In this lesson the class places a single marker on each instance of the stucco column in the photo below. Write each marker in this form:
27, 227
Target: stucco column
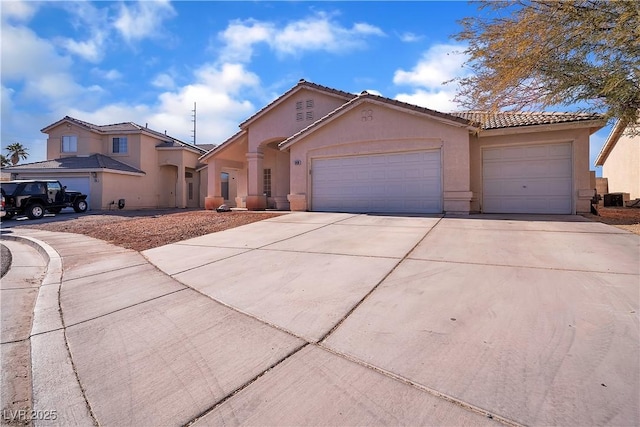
256, 200
181, 188
214, 191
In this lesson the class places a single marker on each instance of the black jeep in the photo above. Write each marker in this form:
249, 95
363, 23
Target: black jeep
34, 197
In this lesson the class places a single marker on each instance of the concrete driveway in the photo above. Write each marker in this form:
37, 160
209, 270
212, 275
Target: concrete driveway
341, 319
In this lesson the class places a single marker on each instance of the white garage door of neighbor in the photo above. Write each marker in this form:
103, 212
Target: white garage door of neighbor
527, 179
80, 184
393, 183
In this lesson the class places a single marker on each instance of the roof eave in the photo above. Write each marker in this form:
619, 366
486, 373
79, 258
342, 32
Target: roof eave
200, 152
69, 120
83, 170
222, 146
593, 125
612, 140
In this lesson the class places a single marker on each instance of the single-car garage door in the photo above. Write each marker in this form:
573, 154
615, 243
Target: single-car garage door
398, 182
527, 179
80, 184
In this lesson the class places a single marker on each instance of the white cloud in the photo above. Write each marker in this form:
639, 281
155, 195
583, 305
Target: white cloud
240, 36
109, 75
315, 33
410, 37
24, 53
218, 91
440, 64
91, 50
319, 32
441, 100
143, 20
17, 10
163, 81
86, 17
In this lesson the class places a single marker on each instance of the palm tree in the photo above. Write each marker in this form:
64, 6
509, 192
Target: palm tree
16, 152
4, 162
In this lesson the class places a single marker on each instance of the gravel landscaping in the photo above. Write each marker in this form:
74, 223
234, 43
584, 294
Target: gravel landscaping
142, 230
624, 218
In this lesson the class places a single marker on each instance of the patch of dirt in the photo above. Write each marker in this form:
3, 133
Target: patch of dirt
624, 218
146, 232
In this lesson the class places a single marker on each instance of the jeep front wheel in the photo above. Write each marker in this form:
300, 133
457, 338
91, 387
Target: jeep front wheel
35, 211
80, 206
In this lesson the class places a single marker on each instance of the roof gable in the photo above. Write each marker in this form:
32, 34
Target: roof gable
610, 143
302, 84
380, 100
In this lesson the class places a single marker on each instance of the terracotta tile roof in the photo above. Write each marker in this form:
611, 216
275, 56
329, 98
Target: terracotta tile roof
301, 83
94, 161
507, 119
206, 147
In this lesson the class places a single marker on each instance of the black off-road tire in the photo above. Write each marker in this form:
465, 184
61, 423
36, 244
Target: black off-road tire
8, 215
80, 206
35, 211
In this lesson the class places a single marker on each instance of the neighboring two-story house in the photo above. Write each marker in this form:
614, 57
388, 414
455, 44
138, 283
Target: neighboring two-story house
143, 167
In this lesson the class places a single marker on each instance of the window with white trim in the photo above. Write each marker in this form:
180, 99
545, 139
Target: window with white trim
69, 144
119, 145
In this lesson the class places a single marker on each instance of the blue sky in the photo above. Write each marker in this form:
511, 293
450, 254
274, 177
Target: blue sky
149, 61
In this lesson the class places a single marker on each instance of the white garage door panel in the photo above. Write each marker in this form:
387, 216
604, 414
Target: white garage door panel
528, 179
400, 182
77, 184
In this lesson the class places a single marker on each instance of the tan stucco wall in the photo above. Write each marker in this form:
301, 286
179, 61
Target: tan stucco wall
582, 191
278, 162
622, 167
280, 122
88, 142
388, 131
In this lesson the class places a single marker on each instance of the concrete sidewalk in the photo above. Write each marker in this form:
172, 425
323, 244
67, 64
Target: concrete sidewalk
340, 319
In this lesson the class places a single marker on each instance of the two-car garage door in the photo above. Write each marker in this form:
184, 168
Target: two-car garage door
394, 183
527, 179
515, 179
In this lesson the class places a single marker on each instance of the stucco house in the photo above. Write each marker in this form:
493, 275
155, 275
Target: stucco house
146, 168
320, 149
620, 161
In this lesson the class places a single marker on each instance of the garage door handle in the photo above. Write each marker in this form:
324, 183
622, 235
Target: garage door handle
524, 186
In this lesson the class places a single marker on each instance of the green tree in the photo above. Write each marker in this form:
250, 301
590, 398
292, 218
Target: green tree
4, 162
532, 54
17, 152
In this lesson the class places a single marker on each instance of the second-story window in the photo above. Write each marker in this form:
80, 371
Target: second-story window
69, 144
119, 145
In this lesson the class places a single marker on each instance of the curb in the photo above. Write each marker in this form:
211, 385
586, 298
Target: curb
56, 390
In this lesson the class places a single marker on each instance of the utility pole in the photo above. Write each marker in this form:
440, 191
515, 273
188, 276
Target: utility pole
193, 119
